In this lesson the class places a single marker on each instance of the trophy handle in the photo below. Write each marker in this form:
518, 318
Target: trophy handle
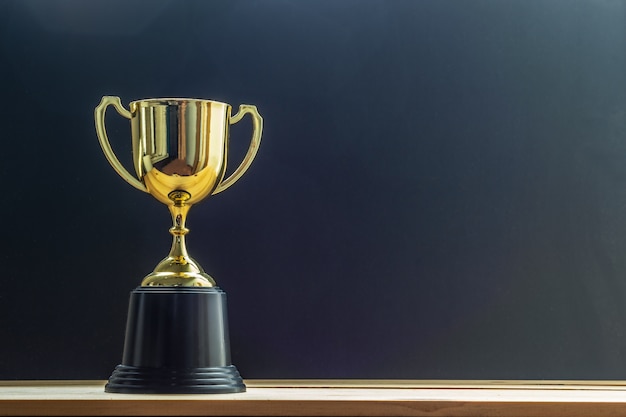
104, 139
257, 124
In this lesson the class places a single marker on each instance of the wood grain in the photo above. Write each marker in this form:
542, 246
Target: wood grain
327, 398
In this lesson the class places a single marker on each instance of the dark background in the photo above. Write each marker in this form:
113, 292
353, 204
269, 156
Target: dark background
440, 191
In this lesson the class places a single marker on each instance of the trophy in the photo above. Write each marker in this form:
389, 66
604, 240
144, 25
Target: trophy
177, 330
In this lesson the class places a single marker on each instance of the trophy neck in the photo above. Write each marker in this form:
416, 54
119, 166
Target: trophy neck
178, 269
178, 232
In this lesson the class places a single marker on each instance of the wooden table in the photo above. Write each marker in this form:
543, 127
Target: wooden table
326, 398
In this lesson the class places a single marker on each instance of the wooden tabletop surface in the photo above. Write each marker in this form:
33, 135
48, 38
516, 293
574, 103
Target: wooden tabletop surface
326, 398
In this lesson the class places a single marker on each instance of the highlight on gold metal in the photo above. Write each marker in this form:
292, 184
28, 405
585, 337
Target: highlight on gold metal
179, 149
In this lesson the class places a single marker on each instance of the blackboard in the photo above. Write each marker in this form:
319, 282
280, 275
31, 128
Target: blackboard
440, 190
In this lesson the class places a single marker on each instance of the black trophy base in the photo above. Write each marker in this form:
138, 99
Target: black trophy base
176, 343
136, 380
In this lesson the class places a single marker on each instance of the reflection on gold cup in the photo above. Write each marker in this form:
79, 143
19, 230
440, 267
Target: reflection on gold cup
179, 149
177, 330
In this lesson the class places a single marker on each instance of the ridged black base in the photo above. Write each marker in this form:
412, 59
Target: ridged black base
176, 343
136, 380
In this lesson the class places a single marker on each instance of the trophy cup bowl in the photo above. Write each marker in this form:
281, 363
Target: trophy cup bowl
177, 331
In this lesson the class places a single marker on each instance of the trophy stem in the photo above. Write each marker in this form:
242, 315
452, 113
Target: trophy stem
178, 269
178, 252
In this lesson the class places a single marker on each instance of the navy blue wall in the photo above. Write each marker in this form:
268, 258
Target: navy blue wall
440, 191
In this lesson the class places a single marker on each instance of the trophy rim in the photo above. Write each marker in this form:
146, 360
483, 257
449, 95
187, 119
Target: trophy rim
177, 100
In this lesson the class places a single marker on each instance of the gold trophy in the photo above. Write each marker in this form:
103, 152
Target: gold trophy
177, 330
